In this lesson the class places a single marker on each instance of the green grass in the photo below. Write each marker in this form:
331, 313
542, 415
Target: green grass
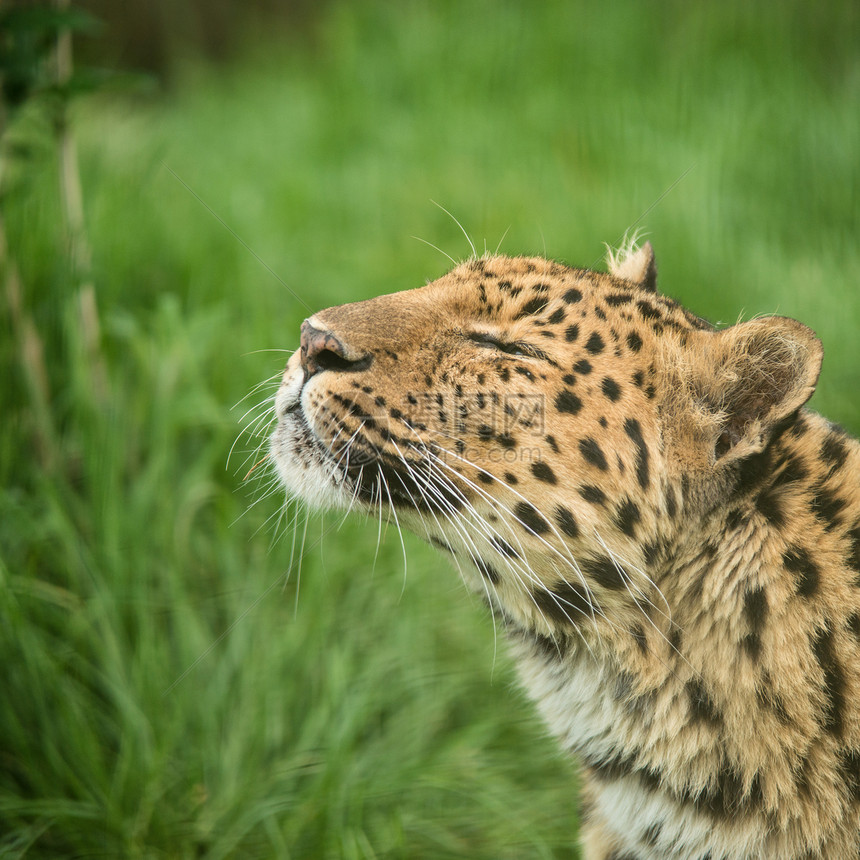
171, 686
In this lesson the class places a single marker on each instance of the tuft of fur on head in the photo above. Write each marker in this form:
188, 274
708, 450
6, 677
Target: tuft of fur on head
633, 263
616, 258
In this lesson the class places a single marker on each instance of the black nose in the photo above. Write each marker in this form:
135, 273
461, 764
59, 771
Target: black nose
322, 350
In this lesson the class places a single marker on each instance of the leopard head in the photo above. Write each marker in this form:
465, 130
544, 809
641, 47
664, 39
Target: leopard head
551, 428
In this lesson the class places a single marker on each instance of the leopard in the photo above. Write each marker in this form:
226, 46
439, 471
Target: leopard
667, 536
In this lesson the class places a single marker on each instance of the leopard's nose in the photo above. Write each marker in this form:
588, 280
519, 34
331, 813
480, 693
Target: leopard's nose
322, 349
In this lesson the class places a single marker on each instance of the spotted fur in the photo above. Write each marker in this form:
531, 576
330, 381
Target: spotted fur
669, 539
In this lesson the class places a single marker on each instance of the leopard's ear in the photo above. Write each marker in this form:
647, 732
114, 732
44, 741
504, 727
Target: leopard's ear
742, 381
636, 265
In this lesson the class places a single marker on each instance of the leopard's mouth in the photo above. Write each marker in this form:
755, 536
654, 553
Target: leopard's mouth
339, 464
304, 463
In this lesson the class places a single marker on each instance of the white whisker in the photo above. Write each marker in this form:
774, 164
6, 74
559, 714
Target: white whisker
468, 238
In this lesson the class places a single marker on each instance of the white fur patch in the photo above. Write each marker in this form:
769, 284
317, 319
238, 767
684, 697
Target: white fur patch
305, 467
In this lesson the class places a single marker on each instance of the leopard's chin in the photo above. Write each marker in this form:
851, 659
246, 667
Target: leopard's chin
303, 463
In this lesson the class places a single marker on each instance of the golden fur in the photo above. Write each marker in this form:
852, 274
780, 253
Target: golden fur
670, 541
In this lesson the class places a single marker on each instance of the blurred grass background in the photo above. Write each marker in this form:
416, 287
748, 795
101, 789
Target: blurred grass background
174, 682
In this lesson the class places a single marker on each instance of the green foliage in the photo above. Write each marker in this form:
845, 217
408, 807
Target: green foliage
27, 37
175, 683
